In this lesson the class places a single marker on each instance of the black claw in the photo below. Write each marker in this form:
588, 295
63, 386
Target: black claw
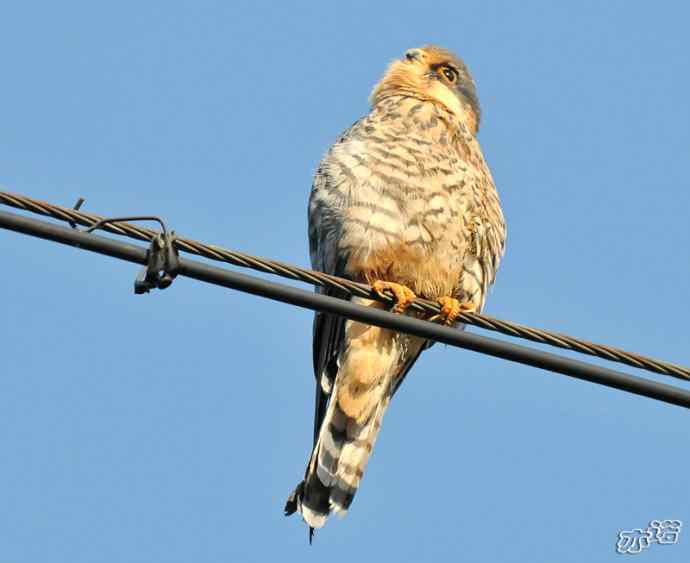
311, 534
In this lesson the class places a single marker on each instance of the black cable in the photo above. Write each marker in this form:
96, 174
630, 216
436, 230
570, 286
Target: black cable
344, 286
370, 315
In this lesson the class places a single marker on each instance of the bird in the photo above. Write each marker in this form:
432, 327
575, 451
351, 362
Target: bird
405, 202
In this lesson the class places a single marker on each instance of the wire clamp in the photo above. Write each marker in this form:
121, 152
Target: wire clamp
162, 264
162, 257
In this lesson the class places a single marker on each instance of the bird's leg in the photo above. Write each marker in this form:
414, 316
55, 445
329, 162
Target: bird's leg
451, 308
403, 294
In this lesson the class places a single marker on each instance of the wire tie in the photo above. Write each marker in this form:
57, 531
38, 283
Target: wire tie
76, 207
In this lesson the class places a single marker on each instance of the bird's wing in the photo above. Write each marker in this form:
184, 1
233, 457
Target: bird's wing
327, 341
328, 331
482, 228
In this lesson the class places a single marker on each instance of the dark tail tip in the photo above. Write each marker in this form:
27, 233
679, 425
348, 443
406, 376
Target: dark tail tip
311, 534
291, 504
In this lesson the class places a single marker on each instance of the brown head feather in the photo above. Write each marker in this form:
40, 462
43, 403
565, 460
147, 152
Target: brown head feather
418, 75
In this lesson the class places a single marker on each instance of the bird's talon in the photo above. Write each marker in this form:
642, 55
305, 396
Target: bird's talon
403, 294
451, 308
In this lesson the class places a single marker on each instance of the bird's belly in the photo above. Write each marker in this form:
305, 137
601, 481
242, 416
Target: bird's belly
421, 254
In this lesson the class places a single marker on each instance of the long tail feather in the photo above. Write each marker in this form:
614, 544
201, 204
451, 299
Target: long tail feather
371, 363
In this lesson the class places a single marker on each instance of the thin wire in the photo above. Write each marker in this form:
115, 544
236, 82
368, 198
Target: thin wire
110, 220
349, 287
370, 315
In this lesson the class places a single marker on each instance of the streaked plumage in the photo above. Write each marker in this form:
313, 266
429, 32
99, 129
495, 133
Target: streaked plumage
403, 196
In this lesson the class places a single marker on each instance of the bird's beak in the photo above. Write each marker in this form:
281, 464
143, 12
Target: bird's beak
414, 55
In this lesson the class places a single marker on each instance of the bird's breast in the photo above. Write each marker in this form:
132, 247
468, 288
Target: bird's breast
404, 225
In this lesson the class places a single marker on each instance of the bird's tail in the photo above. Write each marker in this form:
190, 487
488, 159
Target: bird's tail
336, 465
361, 394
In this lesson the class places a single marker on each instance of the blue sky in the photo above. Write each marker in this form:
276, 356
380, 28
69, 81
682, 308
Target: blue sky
172, 426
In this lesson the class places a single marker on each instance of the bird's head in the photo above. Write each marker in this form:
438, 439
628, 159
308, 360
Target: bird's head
432, 74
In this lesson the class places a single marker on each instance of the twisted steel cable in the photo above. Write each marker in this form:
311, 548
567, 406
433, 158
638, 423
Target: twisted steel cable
350, 288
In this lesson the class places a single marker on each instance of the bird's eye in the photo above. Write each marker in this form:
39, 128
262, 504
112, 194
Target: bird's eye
450, 73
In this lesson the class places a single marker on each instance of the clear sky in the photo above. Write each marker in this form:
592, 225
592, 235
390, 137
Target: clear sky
172, 426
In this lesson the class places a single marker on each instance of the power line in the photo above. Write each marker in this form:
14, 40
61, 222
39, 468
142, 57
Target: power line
370, 315
347, 287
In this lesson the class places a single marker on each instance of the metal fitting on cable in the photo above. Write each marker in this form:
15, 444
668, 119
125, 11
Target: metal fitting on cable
162, 257
162, 265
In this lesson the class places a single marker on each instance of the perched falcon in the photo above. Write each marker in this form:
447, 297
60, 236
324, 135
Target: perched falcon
403, 201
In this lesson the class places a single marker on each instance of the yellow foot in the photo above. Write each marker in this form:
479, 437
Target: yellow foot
403, 294
451, 308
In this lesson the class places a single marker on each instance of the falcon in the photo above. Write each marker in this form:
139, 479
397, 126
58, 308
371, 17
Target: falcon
405, 202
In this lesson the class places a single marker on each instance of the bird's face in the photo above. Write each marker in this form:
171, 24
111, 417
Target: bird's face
434, 74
